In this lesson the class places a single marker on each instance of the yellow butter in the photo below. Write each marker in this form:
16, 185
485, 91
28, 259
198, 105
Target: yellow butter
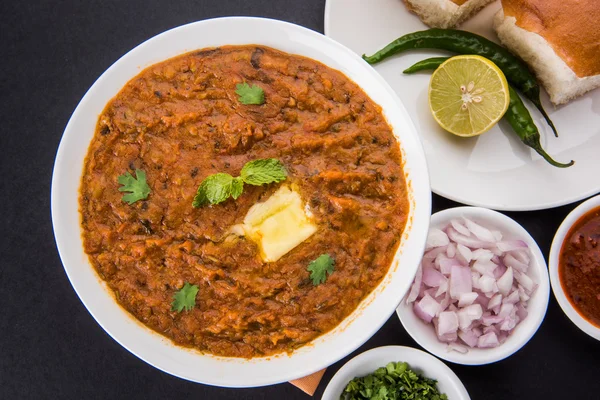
277, 225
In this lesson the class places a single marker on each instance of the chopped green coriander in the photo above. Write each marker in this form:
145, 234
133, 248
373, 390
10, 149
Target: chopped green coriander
185, 298
249, 94
137, 187
320, 268
395, 381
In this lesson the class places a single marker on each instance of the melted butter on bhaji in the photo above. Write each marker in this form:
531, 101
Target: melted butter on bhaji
180, 121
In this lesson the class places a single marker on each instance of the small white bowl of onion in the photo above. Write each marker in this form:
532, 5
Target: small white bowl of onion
482, 289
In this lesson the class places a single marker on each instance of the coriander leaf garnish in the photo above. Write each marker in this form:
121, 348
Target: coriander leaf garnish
185, 298
260, 172
138, 187
394, 381
249, 94
320, 268
219, 187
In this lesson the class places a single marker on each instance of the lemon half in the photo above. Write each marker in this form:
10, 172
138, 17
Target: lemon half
468, 95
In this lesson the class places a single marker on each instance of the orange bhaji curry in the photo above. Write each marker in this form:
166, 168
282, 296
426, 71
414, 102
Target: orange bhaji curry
181, 121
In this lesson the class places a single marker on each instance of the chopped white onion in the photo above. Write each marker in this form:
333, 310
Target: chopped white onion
489, 320
521, 312
444, 264
445, 302
523, 296
511, 261
443, 288
433, 253
432, 277
460, 228
471, 242
521, 255
505, 282
524, 281
497, 235
466, 299
472, 285
416, 287
436, 238
510, 245
468, 337
479, 231
505, 310
513, 298
451, 250
457, 347
482, 254
483, 300
484, 267
427, 308
475, 279
460, 281
487, 284
494, 302
463, 254
447, 323
488, 340
467, 315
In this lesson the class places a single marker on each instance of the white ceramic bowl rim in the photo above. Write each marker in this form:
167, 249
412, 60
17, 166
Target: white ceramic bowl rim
553, 261
424, 334
420, 361
154, 348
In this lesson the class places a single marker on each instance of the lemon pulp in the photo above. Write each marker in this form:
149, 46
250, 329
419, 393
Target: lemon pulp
468, 95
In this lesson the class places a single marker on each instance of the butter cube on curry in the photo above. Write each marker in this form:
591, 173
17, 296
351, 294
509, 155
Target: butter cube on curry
277, 225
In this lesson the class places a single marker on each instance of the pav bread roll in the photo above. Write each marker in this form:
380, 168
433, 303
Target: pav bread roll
445, 13
558, 39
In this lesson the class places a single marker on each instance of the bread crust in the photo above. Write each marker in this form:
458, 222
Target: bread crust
557, 77
569, 26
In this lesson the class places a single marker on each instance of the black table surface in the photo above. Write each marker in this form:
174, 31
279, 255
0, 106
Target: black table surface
50, 346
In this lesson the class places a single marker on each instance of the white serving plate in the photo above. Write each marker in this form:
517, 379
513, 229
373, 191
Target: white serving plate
418, 360
154, 348
494, 170
537, 305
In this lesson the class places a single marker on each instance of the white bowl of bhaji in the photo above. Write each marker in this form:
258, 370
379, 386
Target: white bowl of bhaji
240, 201
574, 265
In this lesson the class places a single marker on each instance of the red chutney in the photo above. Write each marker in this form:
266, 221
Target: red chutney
579, 266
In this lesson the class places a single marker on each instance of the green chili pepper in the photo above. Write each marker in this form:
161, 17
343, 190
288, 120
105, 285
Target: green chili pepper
427, 64
519, 118
517, 114
463, 42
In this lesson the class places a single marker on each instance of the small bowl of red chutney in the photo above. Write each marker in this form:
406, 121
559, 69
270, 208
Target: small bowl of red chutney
574, 266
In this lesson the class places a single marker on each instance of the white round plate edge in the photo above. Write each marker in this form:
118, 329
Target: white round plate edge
538, 187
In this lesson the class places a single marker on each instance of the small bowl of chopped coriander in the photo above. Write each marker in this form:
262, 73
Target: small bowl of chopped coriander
395, 372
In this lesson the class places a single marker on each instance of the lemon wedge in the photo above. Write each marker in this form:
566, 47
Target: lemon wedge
468, 95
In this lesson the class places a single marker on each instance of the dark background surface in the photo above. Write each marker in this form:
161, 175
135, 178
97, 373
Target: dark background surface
50, 346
